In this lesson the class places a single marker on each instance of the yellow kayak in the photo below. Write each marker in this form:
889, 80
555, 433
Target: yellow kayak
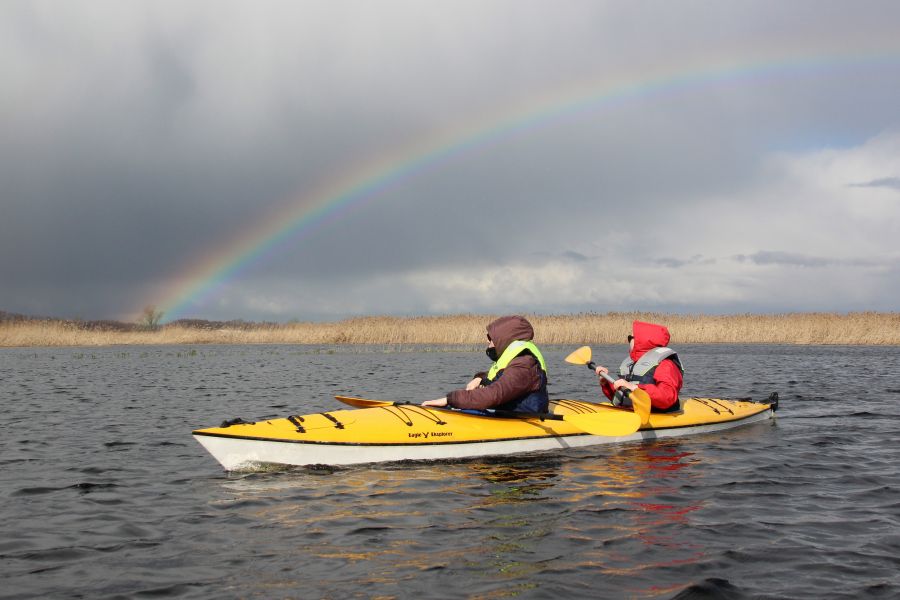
387, 431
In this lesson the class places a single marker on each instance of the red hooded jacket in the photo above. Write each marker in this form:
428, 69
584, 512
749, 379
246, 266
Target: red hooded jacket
667, 377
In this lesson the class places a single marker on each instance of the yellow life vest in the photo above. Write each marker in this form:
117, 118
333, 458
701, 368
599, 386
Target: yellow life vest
513, 350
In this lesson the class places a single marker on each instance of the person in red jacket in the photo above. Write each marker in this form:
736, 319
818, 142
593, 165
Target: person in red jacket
650, 365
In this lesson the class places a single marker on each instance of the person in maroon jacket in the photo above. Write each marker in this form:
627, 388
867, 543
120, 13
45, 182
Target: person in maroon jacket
651, 365
517, 381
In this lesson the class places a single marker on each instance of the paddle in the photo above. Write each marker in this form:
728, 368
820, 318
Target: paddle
611, 423
640, 400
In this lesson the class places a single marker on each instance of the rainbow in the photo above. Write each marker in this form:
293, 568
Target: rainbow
204, 276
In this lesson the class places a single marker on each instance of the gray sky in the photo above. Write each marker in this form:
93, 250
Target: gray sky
140, 138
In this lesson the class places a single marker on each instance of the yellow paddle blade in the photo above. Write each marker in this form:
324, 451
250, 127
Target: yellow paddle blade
613, 423
582, 356
640, 401
362, 402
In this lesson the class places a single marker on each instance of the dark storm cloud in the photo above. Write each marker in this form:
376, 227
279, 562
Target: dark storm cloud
790, 259
884, 182
677, 263
767, 257
139, 136
575, 256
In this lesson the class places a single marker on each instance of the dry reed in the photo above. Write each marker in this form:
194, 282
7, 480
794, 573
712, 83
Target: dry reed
862, 328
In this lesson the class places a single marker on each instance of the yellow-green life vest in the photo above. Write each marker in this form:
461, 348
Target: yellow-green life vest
513, 350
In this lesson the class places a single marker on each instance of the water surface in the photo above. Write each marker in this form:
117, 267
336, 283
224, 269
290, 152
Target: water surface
106, 495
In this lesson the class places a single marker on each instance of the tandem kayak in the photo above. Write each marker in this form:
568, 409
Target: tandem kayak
388, 431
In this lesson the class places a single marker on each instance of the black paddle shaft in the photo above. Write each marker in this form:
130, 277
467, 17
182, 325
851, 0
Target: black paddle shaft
498, 413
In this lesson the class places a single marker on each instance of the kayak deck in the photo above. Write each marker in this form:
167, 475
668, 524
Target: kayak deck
412, 432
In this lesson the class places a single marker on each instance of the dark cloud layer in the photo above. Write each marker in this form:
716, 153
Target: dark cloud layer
791, 259
883, 182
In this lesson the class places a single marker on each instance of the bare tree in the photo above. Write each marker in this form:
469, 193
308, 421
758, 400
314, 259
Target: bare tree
151, 317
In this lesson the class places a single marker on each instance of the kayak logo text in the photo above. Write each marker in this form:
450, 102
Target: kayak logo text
427, 434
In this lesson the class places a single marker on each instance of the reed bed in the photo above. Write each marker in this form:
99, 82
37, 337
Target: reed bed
862, 328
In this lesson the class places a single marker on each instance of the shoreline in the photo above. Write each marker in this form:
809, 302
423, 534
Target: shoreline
854, 329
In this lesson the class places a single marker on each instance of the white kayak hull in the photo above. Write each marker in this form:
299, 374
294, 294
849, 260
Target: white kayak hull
239, 453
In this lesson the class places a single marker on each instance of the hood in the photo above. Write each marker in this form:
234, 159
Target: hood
647, 336
506, 330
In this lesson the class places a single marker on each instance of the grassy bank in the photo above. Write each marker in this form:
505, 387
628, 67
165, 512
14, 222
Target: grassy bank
866, 328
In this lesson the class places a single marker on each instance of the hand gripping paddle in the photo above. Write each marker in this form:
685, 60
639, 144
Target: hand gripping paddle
640, 400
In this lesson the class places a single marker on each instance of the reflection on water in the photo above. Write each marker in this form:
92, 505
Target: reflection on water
632, 513
504, 522
521, 481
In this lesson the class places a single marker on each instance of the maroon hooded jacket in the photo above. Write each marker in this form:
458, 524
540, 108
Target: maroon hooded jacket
520, 377
667, 378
